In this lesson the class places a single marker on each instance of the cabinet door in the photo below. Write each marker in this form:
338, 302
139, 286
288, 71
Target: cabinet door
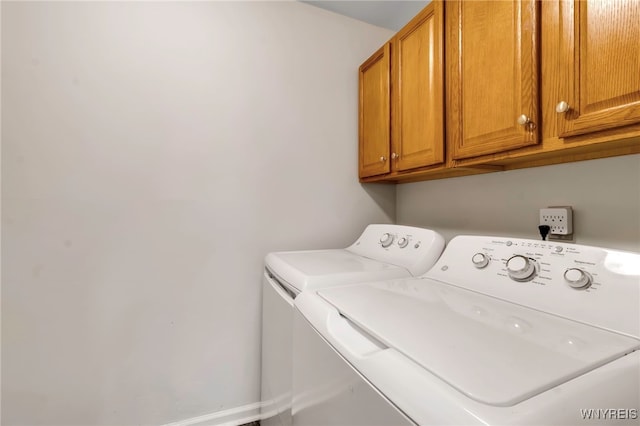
374, 128
600, 65
492, 58
417, 91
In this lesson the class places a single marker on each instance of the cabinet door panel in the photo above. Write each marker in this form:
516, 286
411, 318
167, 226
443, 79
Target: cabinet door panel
600, 64
374, 128
493, 75
417, 90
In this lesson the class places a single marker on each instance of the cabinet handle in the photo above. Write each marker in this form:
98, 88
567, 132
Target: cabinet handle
394, 156
523, 120
383, 159
562, 107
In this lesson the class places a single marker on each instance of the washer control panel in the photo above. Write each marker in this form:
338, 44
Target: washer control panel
528, 260
589, 284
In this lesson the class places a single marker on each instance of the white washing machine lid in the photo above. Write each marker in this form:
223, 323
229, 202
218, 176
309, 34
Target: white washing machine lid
493, 351
322, 268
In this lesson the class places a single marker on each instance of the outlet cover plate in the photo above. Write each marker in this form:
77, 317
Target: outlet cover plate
560, 219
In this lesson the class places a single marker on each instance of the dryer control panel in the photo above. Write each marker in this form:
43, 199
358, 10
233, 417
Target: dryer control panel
588, 284
415, 249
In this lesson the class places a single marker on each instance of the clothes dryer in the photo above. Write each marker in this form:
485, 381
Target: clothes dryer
381, 252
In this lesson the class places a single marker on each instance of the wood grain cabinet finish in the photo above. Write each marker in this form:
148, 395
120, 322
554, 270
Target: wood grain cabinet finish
401, 122
418, 91
374, 119
599, 53
527, 83
492, 82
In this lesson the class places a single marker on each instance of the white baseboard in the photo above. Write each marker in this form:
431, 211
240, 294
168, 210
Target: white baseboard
231, 417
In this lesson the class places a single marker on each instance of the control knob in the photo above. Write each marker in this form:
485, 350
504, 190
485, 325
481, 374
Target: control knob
521, 268
402, 242
480, 260
386, 240
577, 278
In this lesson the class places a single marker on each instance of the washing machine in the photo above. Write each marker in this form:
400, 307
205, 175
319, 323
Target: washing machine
381, 252
501, 331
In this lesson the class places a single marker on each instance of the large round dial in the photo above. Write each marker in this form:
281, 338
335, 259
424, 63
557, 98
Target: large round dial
480, 260
386, 240
577, 278
521, 268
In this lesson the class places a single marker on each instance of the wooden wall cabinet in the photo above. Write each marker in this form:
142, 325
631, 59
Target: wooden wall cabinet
587, 87
374, 115
402, 129
492, 76
417, 125
528, 83
599, 66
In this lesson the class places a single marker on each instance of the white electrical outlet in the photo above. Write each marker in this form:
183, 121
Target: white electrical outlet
559, 219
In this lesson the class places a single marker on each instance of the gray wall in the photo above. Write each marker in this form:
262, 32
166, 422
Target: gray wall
391, 14
605, 195
153, 153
